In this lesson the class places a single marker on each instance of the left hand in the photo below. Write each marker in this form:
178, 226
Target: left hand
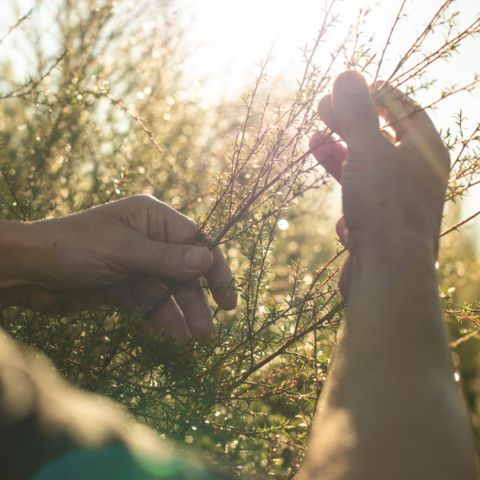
393, 186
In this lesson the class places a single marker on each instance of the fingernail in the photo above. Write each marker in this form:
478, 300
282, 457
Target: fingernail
195, 258
351, 82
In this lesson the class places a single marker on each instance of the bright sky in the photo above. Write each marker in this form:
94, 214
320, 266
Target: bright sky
236, 34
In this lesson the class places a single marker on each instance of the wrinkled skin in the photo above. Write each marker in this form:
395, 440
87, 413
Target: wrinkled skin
131, 254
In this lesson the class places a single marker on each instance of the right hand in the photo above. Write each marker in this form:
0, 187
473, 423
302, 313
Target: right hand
130, 254
393, 189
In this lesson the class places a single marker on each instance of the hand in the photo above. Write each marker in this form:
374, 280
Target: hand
392, 356
128, 254
393, 187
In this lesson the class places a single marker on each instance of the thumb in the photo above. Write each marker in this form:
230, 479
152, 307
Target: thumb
355, 111
168, 260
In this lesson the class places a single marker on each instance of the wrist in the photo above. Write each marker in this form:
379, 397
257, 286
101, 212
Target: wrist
18, 243
395, 249
405, 265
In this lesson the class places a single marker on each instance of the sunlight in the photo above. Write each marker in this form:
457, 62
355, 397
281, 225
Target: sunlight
235, 37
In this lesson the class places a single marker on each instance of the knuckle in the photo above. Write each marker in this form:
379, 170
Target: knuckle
170, 261
185, 229
164, 253
361, 115
144, 199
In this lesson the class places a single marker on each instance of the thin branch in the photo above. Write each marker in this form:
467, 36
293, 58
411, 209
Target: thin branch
30, 86
460, 224
15, 25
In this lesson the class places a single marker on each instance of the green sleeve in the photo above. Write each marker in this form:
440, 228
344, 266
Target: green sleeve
117, 463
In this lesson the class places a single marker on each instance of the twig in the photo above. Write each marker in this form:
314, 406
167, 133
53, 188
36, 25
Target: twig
460, 224
15, 25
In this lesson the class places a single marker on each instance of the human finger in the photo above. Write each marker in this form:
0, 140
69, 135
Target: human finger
356, 116
168, 321
167, 260
148, 295
326, 113
181, 229
329, 153
405, 116
413, 127
164, 314
191, 300
221, 282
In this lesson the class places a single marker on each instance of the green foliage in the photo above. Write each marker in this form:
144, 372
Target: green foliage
109, 114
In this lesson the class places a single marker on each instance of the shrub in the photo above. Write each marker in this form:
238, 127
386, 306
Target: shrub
107, 113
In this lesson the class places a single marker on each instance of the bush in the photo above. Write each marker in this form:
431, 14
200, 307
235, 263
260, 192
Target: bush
107, 113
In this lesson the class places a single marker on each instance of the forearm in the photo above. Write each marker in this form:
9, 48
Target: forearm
16, 247
391, 408
27, 256
23, 255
